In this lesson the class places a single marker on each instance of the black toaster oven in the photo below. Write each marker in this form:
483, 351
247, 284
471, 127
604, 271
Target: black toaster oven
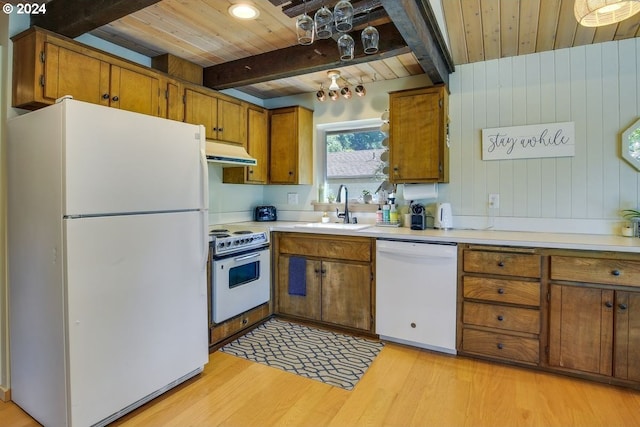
265, 213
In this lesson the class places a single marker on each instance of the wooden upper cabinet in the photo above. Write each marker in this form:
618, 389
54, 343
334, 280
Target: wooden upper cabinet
418, 150
133, 91
257, 147
291, 151
47, 67
224, 119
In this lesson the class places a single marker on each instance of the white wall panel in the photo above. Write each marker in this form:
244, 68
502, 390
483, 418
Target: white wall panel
596, 86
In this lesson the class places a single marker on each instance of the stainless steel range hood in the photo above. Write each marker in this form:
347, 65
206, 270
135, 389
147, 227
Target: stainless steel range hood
230, 154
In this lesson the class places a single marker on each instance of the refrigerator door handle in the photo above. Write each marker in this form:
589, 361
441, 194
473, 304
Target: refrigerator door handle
204, 190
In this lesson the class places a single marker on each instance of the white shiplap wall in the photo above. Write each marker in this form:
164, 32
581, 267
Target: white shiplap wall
595, 86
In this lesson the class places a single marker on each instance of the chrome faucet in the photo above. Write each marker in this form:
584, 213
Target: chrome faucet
345, 214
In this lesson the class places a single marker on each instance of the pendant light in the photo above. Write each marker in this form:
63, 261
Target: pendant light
305, 28
323, 21
343, 15
370, 38
334, 75
596, 13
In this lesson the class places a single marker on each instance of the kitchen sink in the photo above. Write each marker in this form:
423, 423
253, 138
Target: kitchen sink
332, 226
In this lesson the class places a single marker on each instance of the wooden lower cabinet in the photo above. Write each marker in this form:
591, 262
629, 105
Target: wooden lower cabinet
339, 279
500, 313
594, 315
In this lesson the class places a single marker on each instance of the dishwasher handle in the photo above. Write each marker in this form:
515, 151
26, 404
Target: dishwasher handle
416, 249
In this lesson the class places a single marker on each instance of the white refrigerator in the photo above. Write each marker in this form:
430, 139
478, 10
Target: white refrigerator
108, 219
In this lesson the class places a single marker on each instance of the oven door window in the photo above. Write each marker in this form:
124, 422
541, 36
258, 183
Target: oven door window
245, 273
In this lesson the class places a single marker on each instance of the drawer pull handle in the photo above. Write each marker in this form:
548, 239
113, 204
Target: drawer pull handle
616, 272
500, 318
622, 306
500, 263
608, 304
500, 346
500, 291
413, 325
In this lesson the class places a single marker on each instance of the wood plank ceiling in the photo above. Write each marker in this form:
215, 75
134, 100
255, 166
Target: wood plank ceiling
202, 32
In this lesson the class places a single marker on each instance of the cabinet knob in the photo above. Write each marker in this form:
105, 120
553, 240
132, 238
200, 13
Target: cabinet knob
500, 263
250, 170
245, 321
413, 325
500, 346
215, 129
220, 129
105, 96
290, 173
500, 291
622, 306
500, 318
115, 98
615, 272
608, 304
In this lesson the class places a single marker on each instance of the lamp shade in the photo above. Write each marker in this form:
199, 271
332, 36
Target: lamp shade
596, 13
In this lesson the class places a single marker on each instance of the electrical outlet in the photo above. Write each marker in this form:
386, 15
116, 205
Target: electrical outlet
494, 201
292, 198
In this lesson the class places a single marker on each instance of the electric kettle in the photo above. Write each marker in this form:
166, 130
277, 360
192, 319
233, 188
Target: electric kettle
443, 216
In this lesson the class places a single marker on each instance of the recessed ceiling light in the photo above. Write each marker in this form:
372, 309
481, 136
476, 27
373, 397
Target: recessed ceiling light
244, 11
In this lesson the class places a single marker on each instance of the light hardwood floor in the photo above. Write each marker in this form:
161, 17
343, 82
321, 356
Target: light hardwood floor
403, 387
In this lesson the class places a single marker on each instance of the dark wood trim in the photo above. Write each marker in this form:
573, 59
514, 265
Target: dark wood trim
297, 60
416, 22
73, 18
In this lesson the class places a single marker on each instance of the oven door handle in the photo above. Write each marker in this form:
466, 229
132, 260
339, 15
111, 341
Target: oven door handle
245, 257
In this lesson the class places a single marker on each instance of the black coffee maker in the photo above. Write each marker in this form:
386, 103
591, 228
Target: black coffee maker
418, 217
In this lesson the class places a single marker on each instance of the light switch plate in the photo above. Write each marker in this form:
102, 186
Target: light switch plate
292, 198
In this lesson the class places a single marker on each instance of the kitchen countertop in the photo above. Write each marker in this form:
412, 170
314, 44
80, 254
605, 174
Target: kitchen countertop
593, 242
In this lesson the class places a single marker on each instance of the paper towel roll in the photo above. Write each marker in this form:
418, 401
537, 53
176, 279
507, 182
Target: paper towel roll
420, 191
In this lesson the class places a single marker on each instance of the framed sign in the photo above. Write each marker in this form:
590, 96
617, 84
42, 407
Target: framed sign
527, 142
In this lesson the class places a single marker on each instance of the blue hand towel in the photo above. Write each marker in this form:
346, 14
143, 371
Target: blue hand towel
297, 276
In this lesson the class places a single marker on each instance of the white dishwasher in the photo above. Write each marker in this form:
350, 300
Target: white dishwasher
416, 293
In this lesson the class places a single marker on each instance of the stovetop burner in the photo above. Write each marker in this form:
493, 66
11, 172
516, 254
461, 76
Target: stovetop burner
226, 242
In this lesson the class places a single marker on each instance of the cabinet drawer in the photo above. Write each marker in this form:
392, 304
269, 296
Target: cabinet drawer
502, 317
502, 263
355, 249
596, 270
236, 324
501, 345
502, 290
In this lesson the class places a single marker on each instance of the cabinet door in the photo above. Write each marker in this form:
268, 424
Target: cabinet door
231, 122
72, 73
283, 152
133, 91
417, 137
627, 336
307, 306
581, 328
257, 144
346, 294
174, 102
200, 109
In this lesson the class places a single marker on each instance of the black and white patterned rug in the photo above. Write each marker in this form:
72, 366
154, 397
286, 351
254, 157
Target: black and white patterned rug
336, 359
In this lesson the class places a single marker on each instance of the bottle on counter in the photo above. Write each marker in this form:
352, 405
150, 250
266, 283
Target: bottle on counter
393, 214
386, 210
379, 214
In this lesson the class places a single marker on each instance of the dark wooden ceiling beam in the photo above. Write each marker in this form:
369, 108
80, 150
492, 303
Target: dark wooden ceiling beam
297, 60
73, 18
417, 24
297, 8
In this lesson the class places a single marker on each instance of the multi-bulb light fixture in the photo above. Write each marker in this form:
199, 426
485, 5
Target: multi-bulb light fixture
334, 88
323, 23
